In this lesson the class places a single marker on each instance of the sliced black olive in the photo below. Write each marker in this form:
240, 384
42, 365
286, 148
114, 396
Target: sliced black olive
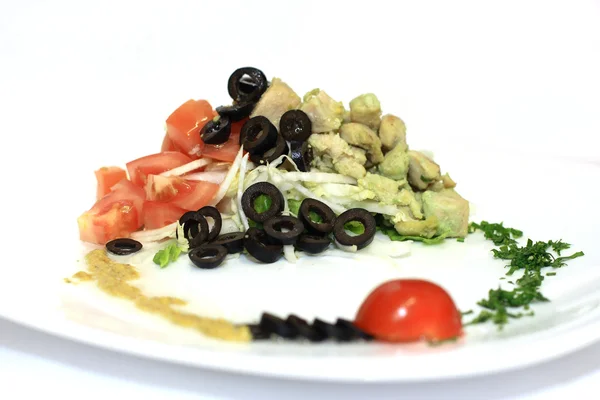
258, 135
281, 147
258, 246
237, 111
123, 246
274, 228
197, 233
351, 330
302, 155
212, 212
208, 256
252, 193
304, 329
247, 84
295, 125
216, 131
233, 242
330, 331
313, 244
355, 214
326, 214
190, 215
275, 325
258, 333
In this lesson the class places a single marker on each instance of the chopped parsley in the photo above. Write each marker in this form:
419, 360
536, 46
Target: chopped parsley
531, 259
167, 255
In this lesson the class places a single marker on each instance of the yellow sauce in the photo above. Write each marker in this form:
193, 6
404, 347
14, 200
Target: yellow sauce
113, 277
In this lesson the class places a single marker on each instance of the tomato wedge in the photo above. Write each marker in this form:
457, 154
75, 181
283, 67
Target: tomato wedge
223, 152
140, 168
200, 194
185, 123
106, 178
157, 214
117, 214
408, 310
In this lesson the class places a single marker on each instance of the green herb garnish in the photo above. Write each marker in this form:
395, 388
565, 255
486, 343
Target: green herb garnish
262, 203
294, 206
460, 240
531, 258
168, 254
496, 232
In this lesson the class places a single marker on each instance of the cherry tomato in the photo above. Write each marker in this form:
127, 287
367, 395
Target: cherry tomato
408, 310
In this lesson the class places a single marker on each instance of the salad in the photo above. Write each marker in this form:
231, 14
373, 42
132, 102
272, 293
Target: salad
275, 175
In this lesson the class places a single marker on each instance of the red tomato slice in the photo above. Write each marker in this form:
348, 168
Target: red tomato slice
185, 123
117, 214
157, 215
200, 194
154, 164
408, 310
164, 188
223, 152
107, 177
189, 195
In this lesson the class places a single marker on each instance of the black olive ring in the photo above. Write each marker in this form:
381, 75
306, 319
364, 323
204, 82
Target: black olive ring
237, 111
313, 244
212, 212
208, 256
281, 148
258, 246
258, 135
274, 229
251, 88
294, 326
322, 210
216, 131
196, 230
295, 125
252, 193
302, 155
123, 246
233, 242
355, 214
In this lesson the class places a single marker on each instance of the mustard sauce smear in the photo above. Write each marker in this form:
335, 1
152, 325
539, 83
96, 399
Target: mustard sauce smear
113, 277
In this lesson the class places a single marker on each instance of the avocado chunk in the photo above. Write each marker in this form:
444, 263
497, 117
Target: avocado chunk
426, 228
366, 109
421, 170
451, 210
395, 163
362, 136
392, 132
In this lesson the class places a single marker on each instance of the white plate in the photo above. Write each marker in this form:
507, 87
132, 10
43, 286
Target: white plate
76, 95
329, 287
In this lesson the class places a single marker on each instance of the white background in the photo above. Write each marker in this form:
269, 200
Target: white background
463, 75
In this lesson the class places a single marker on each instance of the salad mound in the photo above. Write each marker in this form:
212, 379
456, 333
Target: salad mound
310, 147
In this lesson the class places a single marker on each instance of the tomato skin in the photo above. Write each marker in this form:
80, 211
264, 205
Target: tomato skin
157, 214
224, 152
106, 178
117, 214
409, 310
185, 123
197, 195
154, 164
